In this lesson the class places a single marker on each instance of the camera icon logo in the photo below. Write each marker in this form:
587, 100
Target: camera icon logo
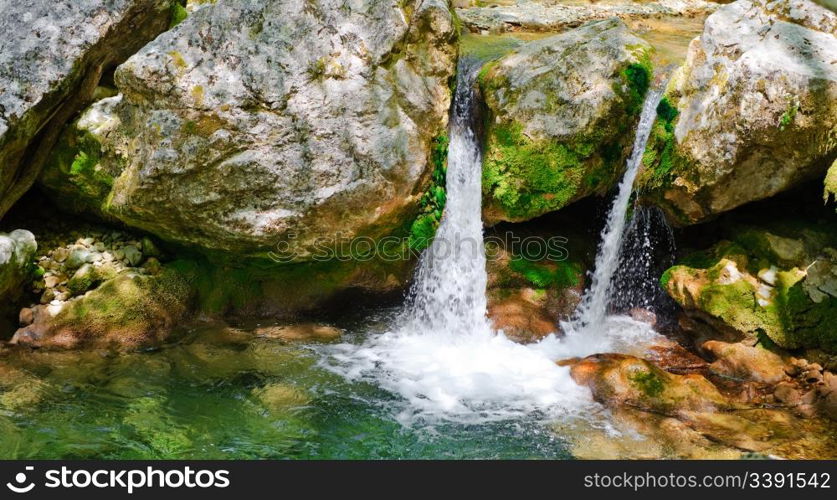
20, 479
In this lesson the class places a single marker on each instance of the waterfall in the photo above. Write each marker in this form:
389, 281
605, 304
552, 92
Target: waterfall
448, 294
647, 251
442, 357
592, 311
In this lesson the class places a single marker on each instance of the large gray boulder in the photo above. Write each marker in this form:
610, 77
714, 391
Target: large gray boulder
561, 115
52, 55
255, 123
757, 103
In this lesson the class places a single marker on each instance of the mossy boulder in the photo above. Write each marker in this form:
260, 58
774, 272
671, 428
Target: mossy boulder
561, 112
129, 311
17, 254
779, 282
751, 113
17, 270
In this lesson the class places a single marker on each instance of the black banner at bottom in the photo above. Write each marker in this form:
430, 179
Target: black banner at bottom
223, 479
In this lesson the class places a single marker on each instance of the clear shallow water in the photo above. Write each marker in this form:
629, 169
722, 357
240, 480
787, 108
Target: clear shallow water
201, 400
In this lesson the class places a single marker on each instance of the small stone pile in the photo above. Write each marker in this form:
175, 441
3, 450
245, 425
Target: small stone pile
67, 270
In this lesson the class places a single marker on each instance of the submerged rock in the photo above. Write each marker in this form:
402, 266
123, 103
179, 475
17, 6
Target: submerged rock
753, 111
305, 332
269, 126
52, 55
561, 111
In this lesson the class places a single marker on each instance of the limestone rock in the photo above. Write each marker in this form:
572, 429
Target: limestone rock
130, 311
272, 125
780, 282
17, 252
753, 111
546, 15
52, 54
746, 362
561, 115
622, 380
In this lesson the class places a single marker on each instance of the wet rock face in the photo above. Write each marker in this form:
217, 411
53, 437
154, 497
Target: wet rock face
52, 54
622, 380
753, 111
561, 111
256, 123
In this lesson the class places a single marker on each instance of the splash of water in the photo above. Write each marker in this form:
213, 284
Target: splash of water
442, 357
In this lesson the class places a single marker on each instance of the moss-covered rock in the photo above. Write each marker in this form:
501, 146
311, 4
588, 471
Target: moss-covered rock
743, 124
560, 115
780, 282
128, 311
17, 269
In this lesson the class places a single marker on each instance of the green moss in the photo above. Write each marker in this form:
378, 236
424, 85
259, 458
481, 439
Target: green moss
432, 202
648, 382
636, 78
74, 175
790, 113
660, 158
805, 323
177, 14
830, 183
665, 279
527, 178
548, 274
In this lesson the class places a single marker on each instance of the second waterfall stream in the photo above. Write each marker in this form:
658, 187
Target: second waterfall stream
441, 355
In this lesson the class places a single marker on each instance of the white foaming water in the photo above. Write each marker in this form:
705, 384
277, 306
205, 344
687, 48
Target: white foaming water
591, 320
443, 357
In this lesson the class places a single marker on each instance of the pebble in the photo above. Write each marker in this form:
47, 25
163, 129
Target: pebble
60, 254
133, 255
78, 257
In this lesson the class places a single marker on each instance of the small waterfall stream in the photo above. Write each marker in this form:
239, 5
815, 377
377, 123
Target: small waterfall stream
593, 309
448, 294
441, 355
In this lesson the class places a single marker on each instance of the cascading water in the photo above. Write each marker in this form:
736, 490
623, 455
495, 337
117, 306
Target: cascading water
442, 357
592, 313
647, 251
